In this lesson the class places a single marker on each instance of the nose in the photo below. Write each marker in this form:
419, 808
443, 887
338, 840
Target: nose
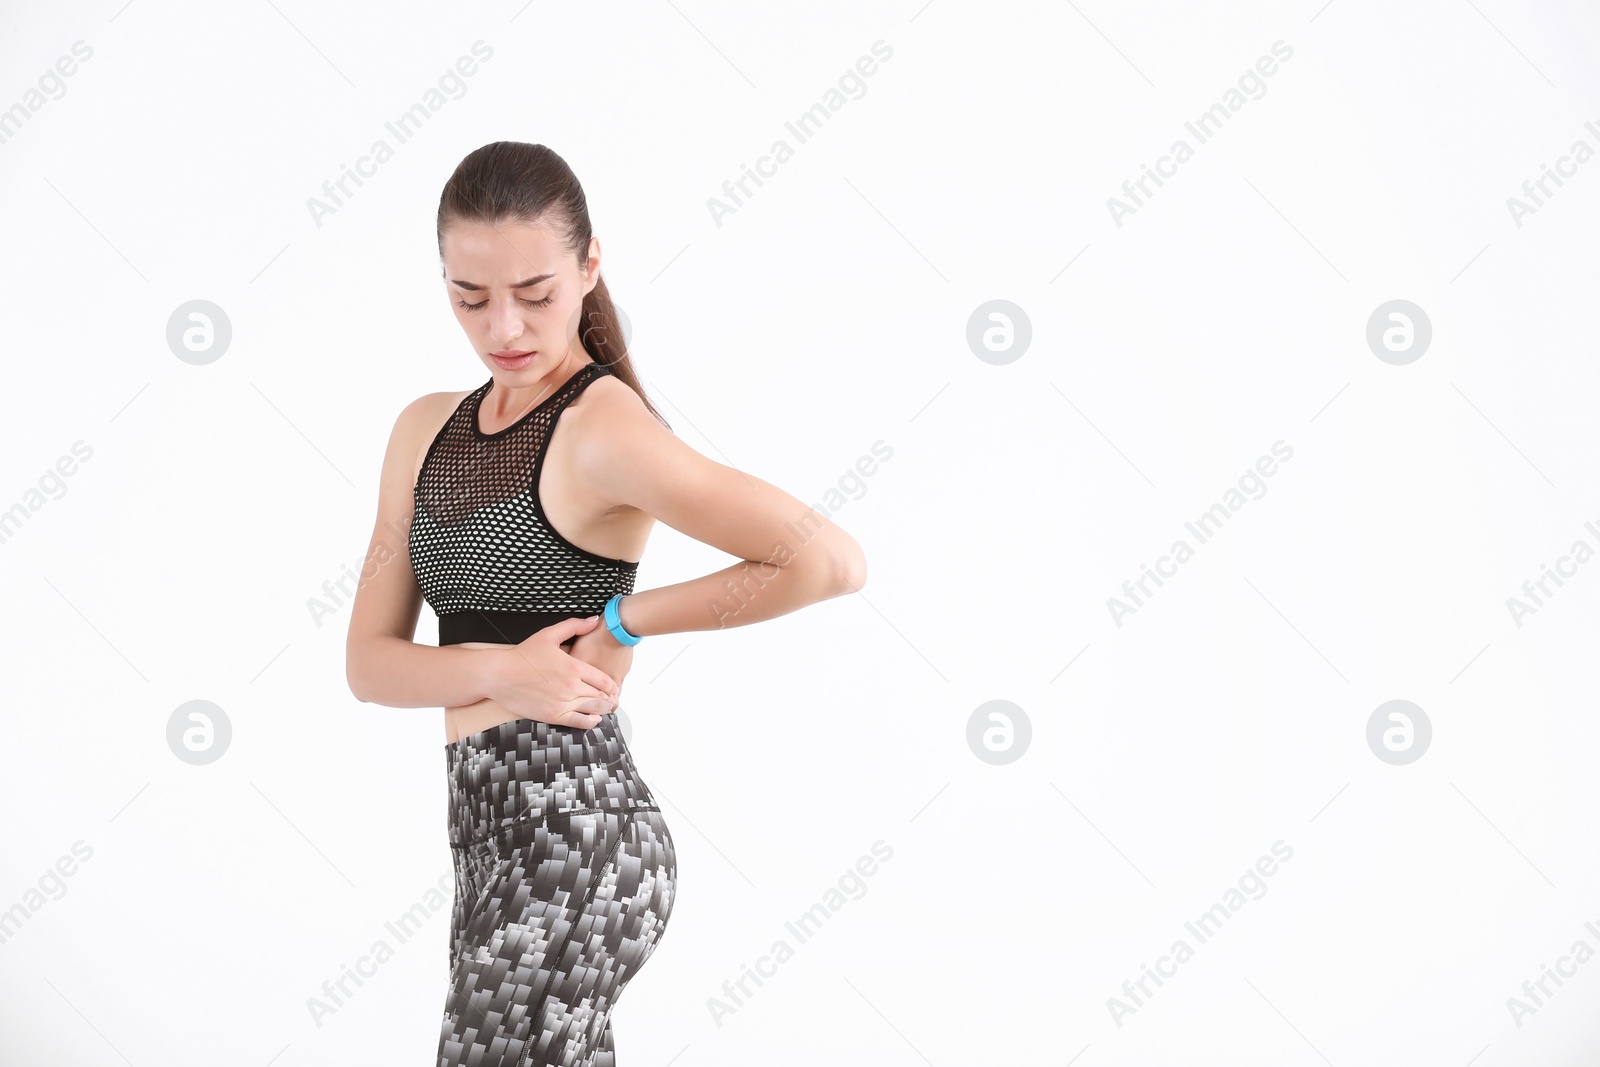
505, 323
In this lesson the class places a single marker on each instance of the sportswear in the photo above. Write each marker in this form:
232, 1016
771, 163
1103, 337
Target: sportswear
485, 556
565, 871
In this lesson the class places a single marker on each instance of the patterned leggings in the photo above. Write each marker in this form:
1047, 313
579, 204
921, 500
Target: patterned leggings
556, 907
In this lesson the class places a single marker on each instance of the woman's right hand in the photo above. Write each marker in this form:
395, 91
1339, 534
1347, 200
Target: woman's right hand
538, 679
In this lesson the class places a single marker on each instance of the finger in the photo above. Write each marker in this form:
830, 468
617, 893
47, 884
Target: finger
587, 713
582, 720
597, 679
597, 706
560, 632
583, 692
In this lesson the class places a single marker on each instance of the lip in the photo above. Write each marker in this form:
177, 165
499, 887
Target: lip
512, 353
513, 360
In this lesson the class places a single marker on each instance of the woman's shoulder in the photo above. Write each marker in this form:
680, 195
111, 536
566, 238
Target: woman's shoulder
609, 403
432, 409
422, 420
611, 429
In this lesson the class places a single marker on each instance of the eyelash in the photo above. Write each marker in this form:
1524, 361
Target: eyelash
525, 303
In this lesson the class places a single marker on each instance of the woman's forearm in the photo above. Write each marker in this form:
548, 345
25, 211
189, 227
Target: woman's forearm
398, 673
741, 594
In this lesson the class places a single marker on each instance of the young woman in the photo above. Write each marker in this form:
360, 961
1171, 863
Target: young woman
525, 542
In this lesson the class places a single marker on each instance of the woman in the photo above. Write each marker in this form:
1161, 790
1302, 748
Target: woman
525, 542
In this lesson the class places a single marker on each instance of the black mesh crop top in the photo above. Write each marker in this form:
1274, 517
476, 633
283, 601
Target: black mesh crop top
486, 558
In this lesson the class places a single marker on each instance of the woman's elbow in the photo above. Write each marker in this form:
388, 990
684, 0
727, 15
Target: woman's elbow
850, 568
353, 680
355, 675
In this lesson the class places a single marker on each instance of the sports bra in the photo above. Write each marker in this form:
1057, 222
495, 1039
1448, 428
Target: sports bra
485, 556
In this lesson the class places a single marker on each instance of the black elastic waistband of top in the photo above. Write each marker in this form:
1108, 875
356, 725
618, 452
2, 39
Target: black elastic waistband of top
499, 627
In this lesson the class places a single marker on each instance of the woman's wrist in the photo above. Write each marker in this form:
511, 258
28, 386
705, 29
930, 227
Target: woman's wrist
497, 670
613, 621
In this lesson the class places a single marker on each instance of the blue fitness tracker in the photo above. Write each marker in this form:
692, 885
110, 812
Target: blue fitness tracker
614, 622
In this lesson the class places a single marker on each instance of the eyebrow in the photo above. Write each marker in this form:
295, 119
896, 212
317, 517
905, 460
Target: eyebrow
535, 280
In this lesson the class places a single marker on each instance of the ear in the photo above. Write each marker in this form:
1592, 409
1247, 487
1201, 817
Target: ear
593, 275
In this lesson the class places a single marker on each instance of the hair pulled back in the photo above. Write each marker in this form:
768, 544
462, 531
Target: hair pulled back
512, 181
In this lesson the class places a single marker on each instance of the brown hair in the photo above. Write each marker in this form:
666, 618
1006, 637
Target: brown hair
519, 182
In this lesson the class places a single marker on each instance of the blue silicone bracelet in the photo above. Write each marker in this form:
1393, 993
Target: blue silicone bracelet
614, 622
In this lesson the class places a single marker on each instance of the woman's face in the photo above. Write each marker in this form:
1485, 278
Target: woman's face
515, 290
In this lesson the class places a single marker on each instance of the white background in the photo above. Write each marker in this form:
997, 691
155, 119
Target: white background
827, 313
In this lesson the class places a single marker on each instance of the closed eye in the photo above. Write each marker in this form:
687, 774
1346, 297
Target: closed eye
524, 303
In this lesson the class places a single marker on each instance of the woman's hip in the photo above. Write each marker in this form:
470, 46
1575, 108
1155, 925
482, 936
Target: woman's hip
524, 771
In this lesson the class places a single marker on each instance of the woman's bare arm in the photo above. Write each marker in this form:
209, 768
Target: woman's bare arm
790, 555
384, 665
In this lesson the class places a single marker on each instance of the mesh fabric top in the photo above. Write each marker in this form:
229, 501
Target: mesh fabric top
479, 538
